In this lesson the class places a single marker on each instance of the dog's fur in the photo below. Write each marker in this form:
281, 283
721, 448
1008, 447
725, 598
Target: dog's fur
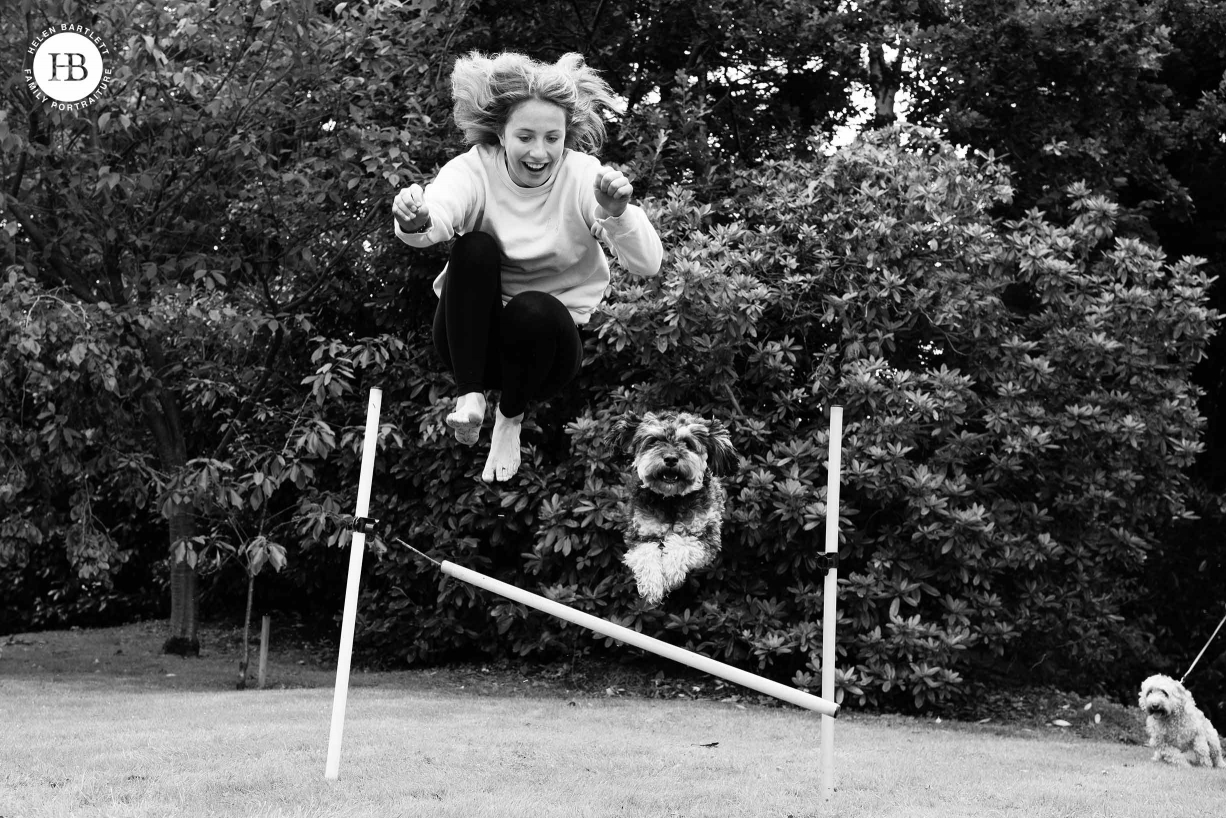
1176, 726
676, 498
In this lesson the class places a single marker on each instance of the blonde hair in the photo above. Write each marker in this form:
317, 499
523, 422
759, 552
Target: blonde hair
485, 90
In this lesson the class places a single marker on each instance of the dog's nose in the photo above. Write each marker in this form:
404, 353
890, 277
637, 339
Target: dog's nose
670, 460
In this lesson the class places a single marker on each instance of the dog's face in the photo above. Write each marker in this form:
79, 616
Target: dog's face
673, 450
1161, 695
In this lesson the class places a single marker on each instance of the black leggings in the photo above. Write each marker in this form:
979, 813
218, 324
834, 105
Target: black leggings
529, 348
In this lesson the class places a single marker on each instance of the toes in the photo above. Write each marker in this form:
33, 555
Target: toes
467, 427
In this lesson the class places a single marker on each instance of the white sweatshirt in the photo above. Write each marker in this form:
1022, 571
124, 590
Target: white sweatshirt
547, 234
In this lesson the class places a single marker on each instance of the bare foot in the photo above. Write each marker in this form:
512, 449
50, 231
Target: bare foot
504, 456
467, 418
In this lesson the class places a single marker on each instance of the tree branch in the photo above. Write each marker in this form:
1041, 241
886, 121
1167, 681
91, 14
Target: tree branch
360, 231
248, 407
61, 271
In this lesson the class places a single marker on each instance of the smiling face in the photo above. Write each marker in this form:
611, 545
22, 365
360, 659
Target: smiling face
534, 139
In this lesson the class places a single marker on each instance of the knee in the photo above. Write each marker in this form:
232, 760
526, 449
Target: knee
475, 250
531, 316
534, 308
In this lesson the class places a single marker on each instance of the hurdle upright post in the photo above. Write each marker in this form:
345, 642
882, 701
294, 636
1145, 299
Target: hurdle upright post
830, 593
349, 618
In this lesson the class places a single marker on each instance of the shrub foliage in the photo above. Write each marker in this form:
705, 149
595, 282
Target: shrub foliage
1019, 418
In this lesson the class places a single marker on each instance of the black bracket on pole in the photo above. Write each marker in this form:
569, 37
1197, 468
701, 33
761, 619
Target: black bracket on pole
363, 525
828, 561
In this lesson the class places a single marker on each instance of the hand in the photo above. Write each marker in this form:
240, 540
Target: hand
410, 209
613, 191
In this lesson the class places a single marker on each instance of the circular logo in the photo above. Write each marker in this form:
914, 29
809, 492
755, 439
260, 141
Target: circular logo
69, 65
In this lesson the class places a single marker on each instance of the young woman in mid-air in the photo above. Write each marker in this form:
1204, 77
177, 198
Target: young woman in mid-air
527, 205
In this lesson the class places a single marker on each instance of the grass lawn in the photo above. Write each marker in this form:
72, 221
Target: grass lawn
107, 744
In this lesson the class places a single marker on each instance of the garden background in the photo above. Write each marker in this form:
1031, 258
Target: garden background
991, 231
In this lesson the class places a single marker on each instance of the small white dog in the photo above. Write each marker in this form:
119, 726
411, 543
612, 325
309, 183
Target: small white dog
1176, 726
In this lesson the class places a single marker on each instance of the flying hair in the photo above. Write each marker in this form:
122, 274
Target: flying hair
485, 90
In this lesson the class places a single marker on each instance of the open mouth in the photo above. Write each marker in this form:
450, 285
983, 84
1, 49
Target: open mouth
669, 476
535, 168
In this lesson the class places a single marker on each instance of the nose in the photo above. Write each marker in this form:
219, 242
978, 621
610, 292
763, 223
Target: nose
670, 460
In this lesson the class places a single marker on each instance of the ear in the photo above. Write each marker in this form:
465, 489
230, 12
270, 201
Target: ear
721, 455
622, 430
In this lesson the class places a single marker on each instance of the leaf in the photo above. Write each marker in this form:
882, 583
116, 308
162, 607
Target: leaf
257, 555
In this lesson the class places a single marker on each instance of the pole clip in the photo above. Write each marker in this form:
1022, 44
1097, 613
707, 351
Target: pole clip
363, 525
827, 561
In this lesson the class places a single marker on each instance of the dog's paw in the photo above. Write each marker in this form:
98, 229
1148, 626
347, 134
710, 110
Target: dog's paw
644, 563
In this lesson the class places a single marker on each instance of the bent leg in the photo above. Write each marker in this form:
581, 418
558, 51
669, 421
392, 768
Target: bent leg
466, 326
540, 353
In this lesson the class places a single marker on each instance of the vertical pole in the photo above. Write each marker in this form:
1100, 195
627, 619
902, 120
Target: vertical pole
349, 618
830, 594
264, 628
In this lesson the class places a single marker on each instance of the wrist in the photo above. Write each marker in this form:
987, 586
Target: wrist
414, 227
603, 212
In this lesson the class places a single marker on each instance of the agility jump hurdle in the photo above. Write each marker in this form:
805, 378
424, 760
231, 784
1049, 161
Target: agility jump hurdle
825, 705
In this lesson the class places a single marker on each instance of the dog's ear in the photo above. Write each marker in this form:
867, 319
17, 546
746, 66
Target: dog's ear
622, 430
721, 455
1145, 688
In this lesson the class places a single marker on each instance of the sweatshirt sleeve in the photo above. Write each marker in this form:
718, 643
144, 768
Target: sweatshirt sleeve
454, 197
633, 239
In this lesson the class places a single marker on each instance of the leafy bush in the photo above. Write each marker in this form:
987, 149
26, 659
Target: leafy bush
1018, 406
1019, 414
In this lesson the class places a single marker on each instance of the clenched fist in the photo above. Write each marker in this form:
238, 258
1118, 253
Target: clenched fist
613, 191
411, 211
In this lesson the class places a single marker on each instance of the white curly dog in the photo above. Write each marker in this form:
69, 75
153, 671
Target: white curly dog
1176, 726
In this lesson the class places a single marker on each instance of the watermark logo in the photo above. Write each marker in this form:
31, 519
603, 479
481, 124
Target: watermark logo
69, 65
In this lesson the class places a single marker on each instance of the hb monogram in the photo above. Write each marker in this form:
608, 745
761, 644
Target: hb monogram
72, 66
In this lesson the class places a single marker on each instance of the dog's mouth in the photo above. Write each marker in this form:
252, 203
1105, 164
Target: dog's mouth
668, 481
669, 476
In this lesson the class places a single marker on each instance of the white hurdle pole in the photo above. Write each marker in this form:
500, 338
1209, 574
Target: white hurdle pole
349, 619
791, 695
831, 593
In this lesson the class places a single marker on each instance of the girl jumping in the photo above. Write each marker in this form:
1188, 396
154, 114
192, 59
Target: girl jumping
527, 205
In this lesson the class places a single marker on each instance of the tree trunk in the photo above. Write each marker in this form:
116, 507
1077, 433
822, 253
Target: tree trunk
162, 414
242, 666
184, 636
884, 79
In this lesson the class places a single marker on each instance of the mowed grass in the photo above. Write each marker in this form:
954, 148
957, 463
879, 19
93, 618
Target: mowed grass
88, 748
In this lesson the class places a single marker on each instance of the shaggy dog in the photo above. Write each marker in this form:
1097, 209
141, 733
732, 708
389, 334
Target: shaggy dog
676, 498
1176, 726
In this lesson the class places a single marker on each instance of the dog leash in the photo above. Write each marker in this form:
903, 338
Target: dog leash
1205, 648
